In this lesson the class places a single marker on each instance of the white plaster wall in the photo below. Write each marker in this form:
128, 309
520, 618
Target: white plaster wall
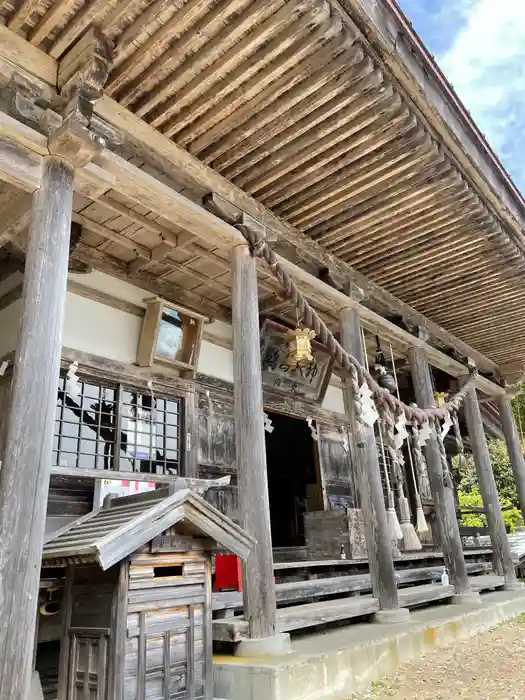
101, 330
333, 400
96, 328
110, 285
89, 326
216, 361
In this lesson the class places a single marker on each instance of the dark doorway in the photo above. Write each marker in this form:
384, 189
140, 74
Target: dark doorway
292, 478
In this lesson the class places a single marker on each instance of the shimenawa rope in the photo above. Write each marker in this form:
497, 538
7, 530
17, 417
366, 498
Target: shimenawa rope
260, 248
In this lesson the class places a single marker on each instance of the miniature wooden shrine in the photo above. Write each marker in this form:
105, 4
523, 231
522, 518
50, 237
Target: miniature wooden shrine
137, 598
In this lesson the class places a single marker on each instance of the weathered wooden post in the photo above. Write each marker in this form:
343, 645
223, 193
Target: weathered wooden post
514, 447
448, 527
254, 506
24, 476
488, 488
364, 448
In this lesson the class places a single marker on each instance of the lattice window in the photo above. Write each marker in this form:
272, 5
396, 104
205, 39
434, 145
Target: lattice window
112, 427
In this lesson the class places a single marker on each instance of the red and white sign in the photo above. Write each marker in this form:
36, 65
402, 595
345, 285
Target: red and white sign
117, 488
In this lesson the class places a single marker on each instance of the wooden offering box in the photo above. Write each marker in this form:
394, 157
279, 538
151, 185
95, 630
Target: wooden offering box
137, 601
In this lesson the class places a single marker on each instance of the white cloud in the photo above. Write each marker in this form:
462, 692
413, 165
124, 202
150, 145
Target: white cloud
486, 65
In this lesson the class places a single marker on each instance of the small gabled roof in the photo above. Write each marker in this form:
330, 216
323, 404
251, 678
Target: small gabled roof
109, 535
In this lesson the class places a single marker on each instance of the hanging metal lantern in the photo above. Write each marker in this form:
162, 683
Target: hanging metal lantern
382, 376
385, 379
300, 348
440, 398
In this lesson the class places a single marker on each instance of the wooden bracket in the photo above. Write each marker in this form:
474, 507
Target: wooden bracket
72, 129
513, 372
226, 211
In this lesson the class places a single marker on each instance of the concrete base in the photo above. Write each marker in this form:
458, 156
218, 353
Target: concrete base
514, 586
468, 598
35, 690
278, 645
392, 617
335, 664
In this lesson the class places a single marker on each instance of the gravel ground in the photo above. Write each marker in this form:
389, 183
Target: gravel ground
487, 667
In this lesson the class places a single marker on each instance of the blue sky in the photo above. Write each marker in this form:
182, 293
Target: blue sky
480, 46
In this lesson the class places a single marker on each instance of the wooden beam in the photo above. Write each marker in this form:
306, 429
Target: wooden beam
412, 67
149, 142
142, 251
24, 477
21, 152
366, 462
9, 266
155, 146
167, 290
254, 505
488, 488
514, 447
145, 189
10, 297
448, 528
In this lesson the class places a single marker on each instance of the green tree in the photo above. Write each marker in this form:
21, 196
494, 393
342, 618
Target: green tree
465, 472
472, 499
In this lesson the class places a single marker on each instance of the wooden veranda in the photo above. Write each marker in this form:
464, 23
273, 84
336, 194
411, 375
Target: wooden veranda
152, 141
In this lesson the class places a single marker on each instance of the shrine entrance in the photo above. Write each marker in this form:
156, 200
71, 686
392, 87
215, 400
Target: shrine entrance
293, 482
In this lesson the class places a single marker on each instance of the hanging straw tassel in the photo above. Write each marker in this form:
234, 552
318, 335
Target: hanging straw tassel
422, 525
411, 541
393, 521
391, 515
421, 521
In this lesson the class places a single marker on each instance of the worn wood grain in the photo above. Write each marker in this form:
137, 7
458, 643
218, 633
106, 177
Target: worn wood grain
24, 476
488, 488
364, 453
514, 447
259, 593
448, 528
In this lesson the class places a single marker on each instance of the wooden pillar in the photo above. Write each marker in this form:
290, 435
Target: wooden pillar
488, 488
448, 527
254, 506
364, 448
514, 447
24, 476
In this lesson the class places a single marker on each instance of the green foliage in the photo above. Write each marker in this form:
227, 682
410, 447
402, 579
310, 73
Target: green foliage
465, 477
472, 499
465, 472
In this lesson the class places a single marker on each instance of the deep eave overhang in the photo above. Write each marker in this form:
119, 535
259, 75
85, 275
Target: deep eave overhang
399, 47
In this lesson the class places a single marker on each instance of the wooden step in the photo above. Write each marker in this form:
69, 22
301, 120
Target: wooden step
487, 582
420, 595
297, 591
296, 617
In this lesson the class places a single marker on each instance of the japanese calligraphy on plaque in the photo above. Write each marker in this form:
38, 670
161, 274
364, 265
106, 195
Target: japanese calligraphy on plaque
304, 383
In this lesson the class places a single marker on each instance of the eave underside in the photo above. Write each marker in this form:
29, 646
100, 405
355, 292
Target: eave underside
283, 99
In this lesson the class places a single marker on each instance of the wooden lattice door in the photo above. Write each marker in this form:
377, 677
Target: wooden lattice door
164, 656
88, 664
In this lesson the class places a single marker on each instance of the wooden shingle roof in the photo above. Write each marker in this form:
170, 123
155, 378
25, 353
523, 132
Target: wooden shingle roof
109, 535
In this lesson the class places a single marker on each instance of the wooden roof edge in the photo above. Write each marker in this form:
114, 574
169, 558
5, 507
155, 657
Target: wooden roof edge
388, 33
26, 143
16, 53
124, 539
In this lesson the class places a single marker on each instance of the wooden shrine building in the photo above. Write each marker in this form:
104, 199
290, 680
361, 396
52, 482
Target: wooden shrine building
188, 191
137, 596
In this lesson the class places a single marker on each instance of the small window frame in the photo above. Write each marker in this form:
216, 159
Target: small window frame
192, 328
92, 370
